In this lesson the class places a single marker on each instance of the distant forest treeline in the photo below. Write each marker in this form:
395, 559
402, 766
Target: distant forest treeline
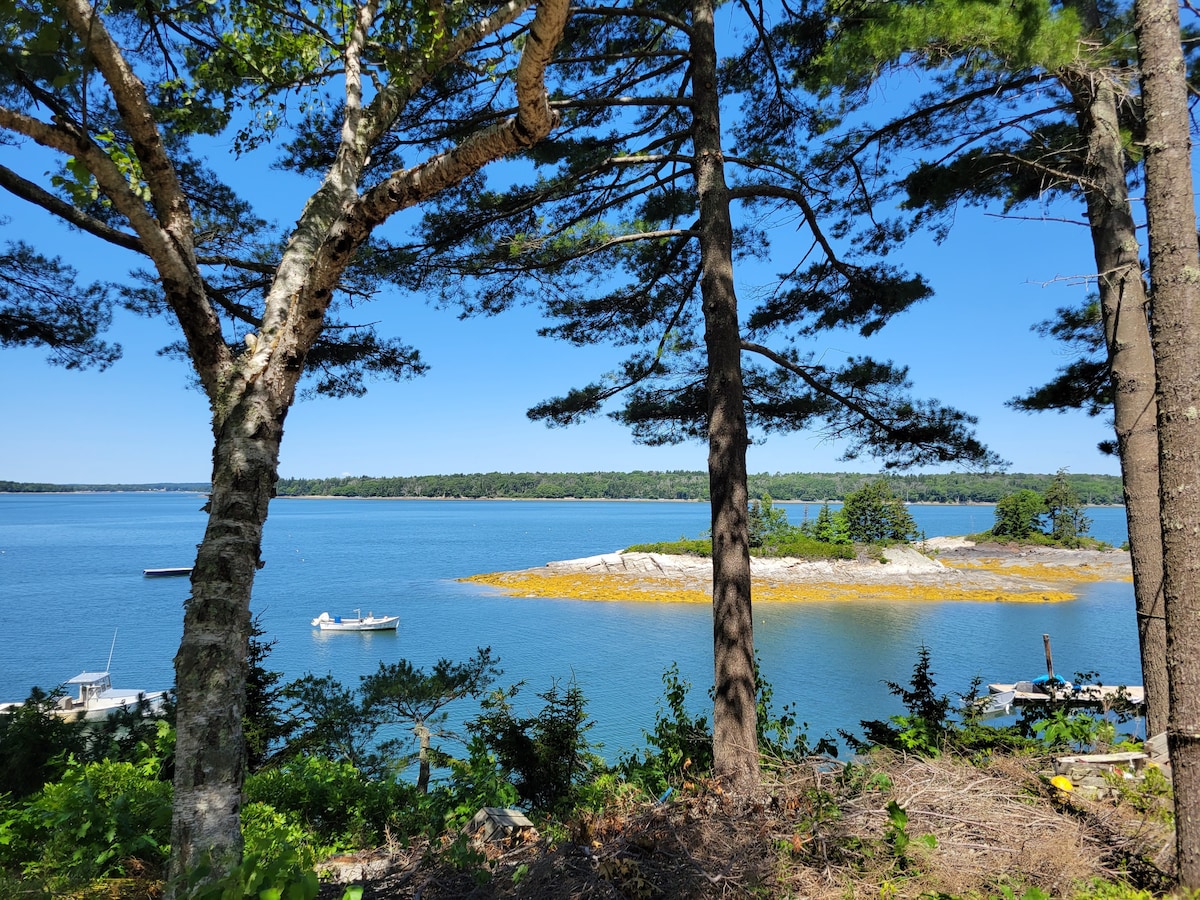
27, 487
679, 485
947, 488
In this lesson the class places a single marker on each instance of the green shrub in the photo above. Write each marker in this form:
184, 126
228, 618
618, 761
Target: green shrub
334, 800
93, 822
681, 547
277, 863
35, 744
547, 755
781, 736
925, 727
794, 544
800, 546
679, 745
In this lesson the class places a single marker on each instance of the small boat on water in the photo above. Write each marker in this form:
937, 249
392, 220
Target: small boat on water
359, 622
174, 571
98, 699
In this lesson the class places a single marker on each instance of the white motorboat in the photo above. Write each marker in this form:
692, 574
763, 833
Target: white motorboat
357, 622
98, 699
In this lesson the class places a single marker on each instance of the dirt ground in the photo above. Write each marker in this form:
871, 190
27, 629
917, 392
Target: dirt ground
817, 831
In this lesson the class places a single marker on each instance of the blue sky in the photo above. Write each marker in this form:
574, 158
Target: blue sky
969, 346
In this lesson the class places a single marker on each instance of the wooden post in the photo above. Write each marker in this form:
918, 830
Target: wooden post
1049, 658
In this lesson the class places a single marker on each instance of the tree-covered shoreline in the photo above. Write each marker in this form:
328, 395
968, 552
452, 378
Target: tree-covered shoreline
953, 487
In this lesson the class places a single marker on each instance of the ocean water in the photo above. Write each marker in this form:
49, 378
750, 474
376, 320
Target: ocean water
71, 582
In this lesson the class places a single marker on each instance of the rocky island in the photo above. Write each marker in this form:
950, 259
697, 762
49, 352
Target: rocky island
946, 568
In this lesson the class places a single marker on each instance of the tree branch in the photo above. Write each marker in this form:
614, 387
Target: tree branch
825, 389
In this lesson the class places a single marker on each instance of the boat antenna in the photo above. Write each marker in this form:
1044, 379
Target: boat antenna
108, 667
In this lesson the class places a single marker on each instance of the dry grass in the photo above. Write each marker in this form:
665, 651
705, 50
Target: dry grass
818, 832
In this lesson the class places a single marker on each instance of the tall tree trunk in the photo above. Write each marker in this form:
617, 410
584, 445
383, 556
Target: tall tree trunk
735, 740
1123, 305
1175, 281
210, 668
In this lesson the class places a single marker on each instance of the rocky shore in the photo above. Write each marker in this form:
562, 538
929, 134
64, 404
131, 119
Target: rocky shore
946, 568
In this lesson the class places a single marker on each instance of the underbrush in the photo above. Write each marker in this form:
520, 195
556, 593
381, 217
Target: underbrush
937, 804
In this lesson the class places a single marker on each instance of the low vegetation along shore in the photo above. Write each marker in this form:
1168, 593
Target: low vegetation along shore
948, 568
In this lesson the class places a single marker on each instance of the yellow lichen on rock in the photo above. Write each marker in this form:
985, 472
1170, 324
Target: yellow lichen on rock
1042, 571
576, 586
905, 592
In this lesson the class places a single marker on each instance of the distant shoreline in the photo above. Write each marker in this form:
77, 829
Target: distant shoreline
634, 500
200, 492
947, 489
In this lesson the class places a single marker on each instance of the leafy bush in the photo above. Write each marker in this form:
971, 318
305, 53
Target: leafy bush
800, 546
277, 863
781, 735
338, 803
795, 544
477, 781
679, 744
93, 822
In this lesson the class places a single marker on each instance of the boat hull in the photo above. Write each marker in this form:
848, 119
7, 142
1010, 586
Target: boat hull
380, 623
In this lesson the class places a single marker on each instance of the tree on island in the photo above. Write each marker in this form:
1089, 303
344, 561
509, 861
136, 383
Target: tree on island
830, 527
1019, 516
1067, 521
874, 515
766, 522
121, 94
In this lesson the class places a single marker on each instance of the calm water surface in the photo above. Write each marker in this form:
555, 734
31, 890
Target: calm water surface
70, 576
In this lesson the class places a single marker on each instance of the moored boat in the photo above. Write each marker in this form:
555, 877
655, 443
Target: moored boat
97, 699
359, 622
169, 572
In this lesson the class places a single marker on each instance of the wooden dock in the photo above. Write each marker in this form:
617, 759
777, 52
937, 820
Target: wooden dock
1083, 695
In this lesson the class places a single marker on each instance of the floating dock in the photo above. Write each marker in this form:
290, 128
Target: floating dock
175, 572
